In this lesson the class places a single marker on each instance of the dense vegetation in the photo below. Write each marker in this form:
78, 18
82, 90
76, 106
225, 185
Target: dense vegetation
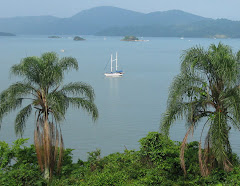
77, 38
130, 38
54, 37
156, 163
202, 29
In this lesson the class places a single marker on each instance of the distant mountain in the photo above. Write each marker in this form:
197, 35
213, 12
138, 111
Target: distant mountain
29, 24
220, 28
6, 34
119, 22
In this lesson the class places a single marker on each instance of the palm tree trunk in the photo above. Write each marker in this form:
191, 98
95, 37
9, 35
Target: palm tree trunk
46, 173
47, 146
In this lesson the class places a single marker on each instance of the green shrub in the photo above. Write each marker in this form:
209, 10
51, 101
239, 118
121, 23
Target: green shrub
156, 163
18, 164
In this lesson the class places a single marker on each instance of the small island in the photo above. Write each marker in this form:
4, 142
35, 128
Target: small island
6, 34
77, 38
220, 36
130, 38
55, 37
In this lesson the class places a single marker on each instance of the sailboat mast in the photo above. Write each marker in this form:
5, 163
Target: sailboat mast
116, 61
111, 62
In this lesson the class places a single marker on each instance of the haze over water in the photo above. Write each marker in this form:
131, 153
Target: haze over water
129, 107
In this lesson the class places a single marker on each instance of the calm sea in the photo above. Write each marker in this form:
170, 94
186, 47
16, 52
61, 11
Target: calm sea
129, 107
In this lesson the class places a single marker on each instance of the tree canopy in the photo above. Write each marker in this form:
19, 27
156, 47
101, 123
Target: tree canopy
42, 89
207, 91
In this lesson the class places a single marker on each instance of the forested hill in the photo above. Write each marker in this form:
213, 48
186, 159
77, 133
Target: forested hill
118, 22
220, 28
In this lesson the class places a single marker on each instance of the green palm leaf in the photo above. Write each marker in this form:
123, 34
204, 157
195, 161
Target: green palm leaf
87, 105
21, 118
79, 89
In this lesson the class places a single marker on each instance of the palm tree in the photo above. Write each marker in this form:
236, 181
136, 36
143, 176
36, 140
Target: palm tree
41, 89
207, 92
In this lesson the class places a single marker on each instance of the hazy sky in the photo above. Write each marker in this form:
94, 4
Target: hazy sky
65, 8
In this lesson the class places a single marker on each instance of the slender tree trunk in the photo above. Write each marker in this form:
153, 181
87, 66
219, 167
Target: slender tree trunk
46, 173
47, 150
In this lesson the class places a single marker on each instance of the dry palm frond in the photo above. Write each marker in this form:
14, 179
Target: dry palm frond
182, 150
38, 147
227, 165
202, 164
61, 150
49, 151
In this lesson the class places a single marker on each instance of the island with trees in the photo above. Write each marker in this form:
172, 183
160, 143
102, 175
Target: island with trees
54, 37
77, 38
130, 38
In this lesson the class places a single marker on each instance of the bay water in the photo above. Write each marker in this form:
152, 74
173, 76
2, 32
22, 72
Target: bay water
129, 106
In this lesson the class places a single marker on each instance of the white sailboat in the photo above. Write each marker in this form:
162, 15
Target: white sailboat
116, 73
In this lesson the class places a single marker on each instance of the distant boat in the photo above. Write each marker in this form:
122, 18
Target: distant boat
116, 73
181, 37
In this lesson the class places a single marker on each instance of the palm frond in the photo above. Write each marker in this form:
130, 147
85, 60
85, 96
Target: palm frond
8, 106
58, 105
29, 68
219, 136
182, 149
79, 89
17, 90
21, 118
68, 63
85, 104
173, 112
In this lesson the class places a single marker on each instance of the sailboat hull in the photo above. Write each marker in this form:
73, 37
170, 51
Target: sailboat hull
113, 74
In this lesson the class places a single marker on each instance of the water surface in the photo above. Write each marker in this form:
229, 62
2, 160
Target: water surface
129, 107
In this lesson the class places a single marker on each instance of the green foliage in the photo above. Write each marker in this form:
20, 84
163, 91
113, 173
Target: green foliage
41, 87
156, 163
130, 38
207, 88
43, 77
18, 164
161, 152
77, 38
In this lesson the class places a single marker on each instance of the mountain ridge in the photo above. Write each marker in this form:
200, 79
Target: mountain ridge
108, 20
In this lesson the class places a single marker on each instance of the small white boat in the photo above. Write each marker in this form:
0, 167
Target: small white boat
116, 73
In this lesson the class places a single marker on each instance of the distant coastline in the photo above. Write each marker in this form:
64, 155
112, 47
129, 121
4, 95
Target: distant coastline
6, 34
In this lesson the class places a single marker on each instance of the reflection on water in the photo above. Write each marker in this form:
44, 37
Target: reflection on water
114, 86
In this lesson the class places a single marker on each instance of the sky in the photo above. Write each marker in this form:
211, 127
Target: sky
66, 8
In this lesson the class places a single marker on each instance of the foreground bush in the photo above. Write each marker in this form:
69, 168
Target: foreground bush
156, 163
